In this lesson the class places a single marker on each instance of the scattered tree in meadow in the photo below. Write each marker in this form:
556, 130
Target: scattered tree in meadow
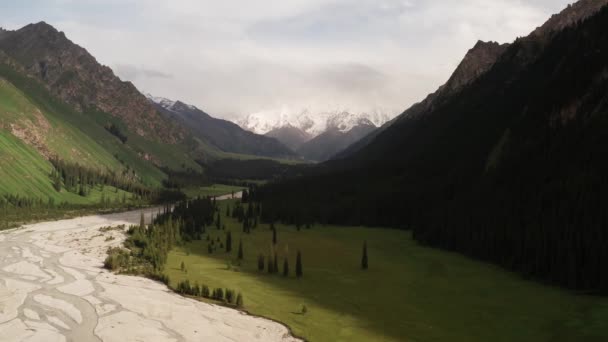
183, 266
227, 211
285, 268
240, 256
239, 300
228, 242
364, 257
142, 222
299, 271
270, 266
261, 263
205, 291
274, 236
230, 296
275, 266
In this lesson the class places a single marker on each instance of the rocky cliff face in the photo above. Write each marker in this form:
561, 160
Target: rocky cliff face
475, 63
580, 10
76, 77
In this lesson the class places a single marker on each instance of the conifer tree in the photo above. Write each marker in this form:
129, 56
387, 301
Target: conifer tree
227, 211
240, 256
299, 271
275, 266
228, 242
285, 268
218, 222
364, 257
274, 236
270, 266
239, 301
183, 266
261, 263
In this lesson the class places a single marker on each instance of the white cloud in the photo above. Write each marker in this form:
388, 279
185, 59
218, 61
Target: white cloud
233, 57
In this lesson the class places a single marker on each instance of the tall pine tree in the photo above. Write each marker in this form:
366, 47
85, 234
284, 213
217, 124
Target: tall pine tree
299, 271
240, 256
364, 257
228, 242
285, 268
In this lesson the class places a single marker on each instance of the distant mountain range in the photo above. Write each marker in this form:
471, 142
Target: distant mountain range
316, 136
309, 122
221, 134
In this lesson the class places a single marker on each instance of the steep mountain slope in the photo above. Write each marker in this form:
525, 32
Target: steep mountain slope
290, 136
509, 168
224, 135
59, 102
475, 63
333, 141
73, 75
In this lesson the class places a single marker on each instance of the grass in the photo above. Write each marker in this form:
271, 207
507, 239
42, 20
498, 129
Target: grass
212, 190
410, 292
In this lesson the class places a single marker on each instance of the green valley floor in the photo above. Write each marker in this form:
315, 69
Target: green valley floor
409, 292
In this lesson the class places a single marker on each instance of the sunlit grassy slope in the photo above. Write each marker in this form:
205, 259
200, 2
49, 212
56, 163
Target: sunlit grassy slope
409, 293
25, 173
81, 137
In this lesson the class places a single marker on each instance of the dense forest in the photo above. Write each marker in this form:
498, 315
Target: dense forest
511, 169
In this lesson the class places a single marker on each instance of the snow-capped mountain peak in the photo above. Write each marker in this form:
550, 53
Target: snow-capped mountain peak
167, 103
309, 122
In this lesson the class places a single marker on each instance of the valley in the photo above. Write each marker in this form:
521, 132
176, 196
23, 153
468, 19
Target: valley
273, 195
409, 292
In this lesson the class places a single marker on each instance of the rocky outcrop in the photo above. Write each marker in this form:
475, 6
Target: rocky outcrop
580, 10
475, 63
76, 77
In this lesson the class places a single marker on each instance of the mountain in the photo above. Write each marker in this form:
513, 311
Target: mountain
312, 123
290, 136
74, 76
68, 123
475, 63
221, 134
332, 141
505, 163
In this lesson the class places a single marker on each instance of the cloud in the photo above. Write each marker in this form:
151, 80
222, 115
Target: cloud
134, 73
234, 57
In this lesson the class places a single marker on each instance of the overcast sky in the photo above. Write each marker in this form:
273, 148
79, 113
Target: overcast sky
234, 57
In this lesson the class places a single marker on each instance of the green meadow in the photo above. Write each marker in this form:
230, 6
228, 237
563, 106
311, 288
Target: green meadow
409, 292
212, 190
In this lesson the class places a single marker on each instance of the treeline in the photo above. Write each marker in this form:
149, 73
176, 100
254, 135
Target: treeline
182, 179
147, 247
192, 216
115, 131
230, 170
511, 170
80, 179
226, 296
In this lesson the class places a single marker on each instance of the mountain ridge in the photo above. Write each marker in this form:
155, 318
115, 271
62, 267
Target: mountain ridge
222, 134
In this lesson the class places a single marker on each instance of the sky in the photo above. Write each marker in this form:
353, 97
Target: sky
236, 57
